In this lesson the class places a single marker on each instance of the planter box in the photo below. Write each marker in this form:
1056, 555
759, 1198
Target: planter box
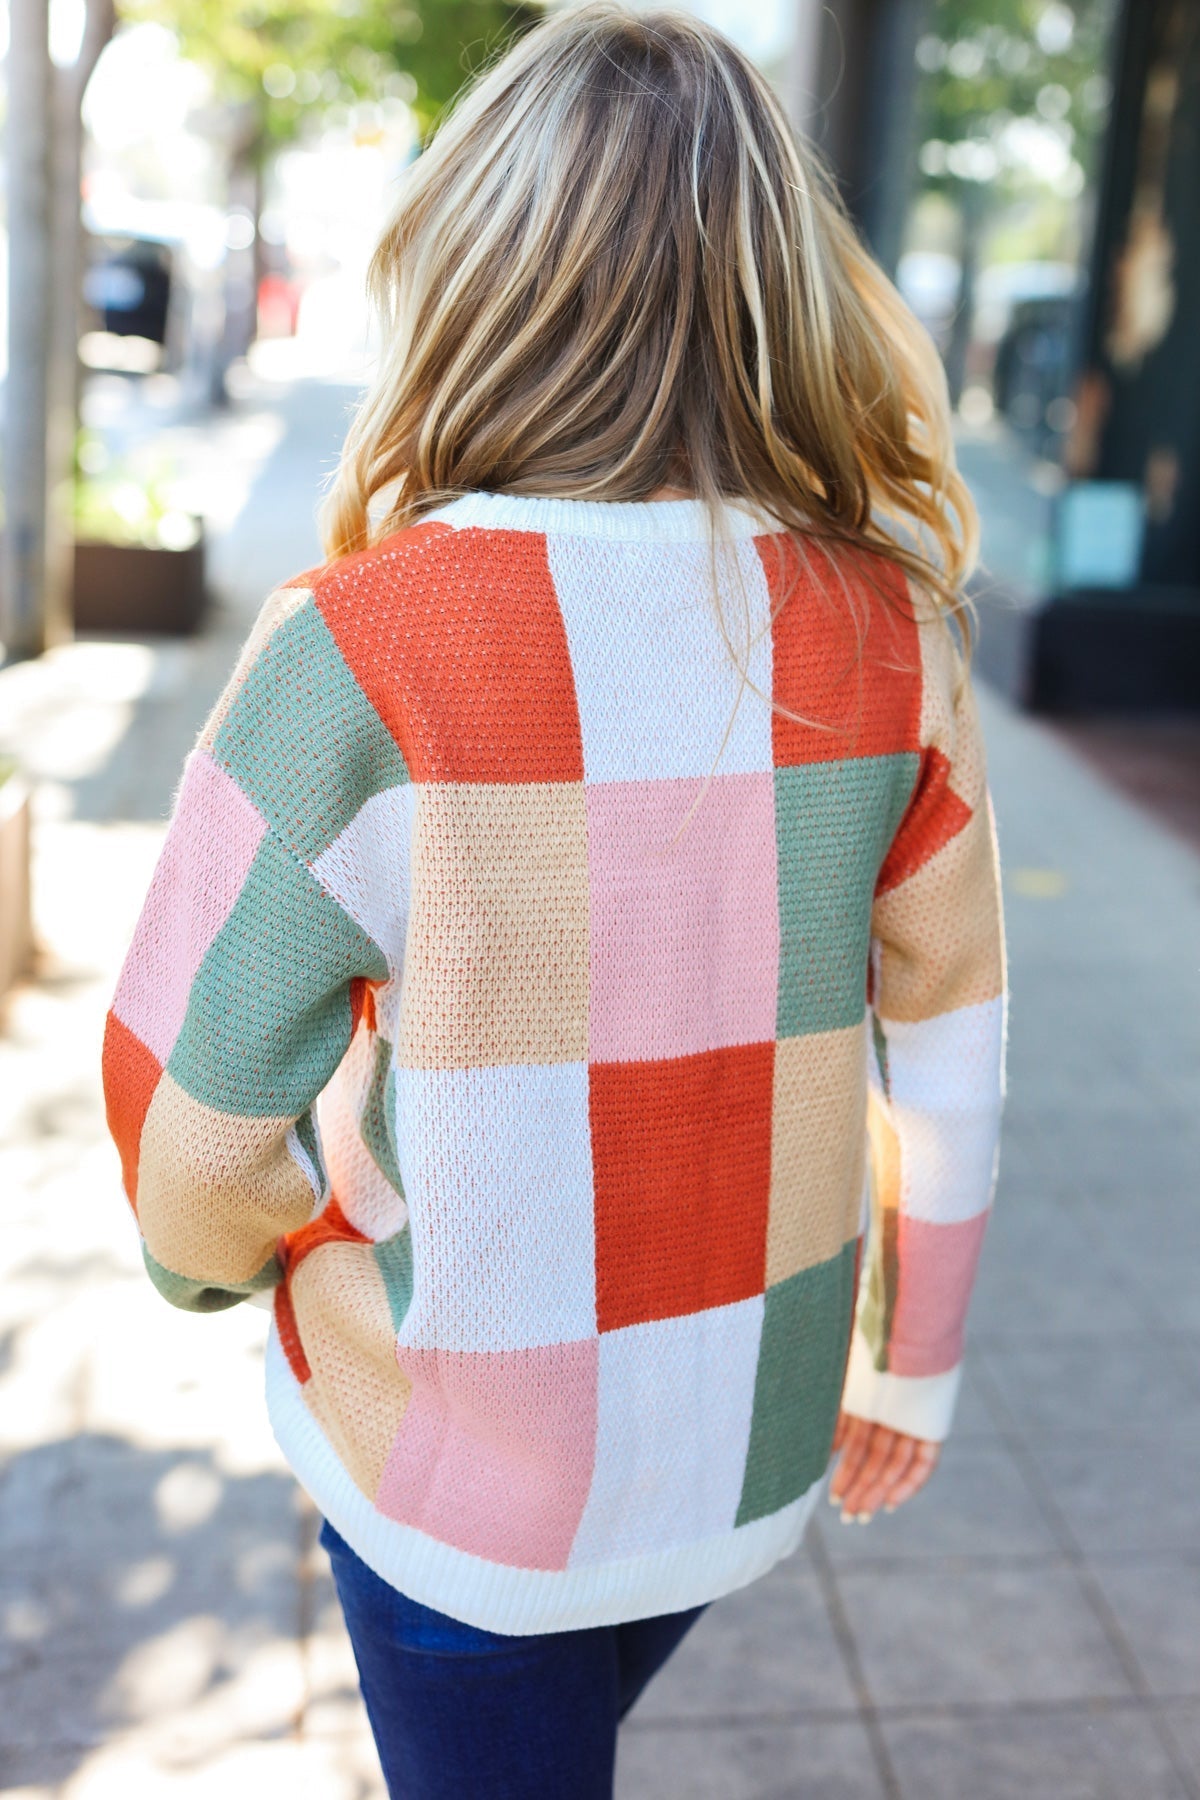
16, 913
130, 588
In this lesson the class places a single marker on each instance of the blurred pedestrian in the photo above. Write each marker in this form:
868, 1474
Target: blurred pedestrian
602, 833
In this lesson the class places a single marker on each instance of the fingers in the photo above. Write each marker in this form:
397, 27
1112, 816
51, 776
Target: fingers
855, 1443
877, 1444
878, 1467
924, 1462
877, 1492
842, 1426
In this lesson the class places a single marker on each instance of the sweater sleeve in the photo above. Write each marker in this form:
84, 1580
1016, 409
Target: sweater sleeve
938, 1016
245, 976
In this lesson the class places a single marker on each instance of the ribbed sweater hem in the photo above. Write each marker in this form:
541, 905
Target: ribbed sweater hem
493, 1596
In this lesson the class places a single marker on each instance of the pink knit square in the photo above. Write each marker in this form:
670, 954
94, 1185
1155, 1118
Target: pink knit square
937, 1271
496, 1450
214, 836
684, 935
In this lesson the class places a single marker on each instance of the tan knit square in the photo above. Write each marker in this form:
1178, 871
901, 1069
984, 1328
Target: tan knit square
938, 669
215, 1189
358, 1392
818, 1148
885, 1154
968, 775
941, 931
496, 964
955, 733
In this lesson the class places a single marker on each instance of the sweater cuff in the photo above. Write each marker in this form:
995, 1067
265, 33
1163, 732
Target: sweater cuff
920, 1405
193, 1295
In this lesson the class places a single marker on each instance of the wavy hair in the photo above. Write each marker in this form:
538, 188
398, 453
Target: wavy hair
615, 269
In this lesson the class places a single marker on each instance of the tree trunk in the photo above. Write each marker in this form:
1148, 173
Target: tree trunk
62, 386
25, 625
45, 142
65, 383
259, 248
242, 265
971, 215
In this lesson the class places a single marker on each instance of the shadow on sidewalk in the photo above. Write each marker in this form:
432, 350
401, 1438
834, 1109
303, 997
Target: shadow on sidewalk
153, 1596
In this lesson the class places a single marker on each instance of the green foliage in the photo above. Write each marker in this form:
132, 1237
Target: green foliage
128, 502
988, 62
285, 61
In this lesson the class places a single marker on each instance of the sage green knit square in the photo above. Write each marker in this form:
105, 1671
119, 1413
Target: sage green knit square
302, 739
393, 1256
268, 1016
192, 1295
798, 1384
378, 1133
306, 1131
834, 824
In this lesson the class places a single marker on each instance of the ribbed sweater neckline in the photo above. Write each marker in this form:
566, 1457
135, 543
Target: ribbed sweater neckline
649, 521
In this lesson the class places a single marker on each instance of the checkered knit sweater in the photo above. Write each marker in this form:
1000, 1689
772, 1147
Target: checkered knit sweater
556, 1130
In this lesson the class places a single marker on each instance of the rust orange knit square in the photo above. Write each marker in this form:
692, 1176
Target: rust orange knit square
289, 1333
935, 815
872, 699
457, 640
681, 1157
131, 1074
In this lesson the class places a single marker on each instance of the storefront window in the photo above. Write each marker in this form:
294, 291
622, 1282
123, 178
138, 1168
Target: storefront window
1012, 106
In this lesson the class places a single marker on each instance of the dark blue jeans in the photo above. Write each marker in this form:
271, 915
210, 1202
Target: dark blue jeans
464, 1714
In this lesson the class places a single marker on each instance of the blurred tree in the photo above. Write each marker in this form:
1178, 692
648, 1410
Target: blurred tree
278, 65
991, 61
284, 60
1006, 82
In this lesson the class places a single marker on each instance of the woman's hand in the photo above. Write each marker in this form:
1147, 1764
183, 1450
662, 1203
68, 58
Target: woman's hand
878, 1467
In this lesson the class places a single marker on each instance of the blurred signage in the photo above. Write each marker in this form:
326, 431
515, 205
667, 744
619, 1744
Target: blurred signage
1100, 527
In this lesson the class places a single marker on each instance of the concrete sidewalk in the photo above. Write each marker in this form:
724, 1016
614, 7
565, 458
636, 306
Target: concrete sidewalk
1028, 1628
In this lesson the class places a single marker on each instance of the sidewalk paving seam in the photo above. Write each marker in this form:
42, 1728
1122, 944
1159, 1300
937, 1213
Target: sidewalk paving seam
962, 1562
1078, 1340
949, 1710
307, 1529
1040, 1489
843, 1632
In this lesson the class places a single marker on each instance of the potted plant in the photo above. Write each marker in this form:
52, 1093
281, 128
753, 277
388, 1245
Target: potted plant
16, 925
139, 554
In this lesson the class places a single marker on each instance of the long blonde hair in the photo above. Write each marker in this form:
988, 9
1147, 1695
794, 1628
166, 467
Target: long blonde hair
616, 269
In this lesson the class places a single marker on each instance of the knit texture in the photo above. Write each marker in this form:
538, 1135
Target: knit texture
556, 1120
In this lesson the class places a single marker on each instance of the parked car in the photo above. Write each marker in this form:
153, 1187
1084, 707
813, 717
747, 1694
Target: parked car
127, 284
